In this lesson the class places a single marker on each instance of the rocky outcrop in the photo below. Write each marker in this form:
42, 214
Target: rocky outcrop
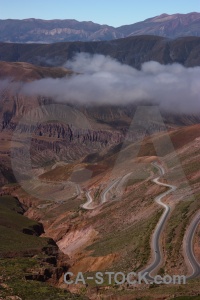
36, 229
51, 268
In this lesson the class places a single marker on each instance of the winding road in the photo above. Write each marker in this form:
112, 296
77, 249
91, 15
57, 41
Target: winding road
188, 239
103, 195
155, 243
87, 205
157, 253
188, 247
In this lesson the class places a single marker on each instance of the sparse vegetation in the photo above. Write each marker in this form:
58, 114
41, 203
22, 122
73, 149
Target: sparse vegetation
13, 282
132, 243
12, 227
177, 224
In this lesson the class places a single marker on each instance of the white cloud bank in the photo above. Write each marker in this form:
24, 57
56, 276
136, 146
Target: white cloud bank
103, 80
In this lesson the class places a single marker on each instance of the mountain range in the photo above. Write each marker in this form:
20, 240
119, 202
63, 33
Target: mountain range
51, 31
133, 51
87, 209
104, 185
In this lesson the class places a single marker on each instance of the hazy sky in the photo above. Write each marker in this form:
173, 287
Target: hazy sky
111, 12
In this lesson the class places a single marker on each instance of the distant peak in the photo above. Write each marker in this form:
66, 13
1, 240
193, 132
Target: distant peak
164, 15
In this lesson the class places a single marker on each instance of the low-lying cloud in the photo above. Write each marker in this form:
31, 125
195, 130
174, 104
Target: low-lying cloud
103, 80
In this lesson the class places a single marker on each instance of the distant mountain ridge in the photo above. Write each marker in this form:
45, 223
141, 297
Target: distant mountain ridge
51, 31
165, 25
133, 51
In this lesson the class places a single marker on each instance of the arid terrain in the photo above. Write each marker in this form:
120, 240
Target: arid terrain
84, 189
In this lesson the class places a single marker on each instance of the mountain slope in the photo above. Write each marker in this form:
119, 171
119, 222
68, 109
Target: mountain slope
165, 25
133, 51
51, 31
